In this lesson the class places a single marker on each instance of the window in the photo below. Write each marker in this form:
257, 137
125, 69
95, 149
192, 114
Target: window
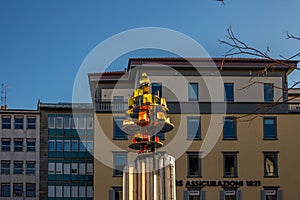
230, 164
31, 122
67, 191
81, 146
5, 144
30, 145
193, 92
89, 146
268, 92
58, 168
118, 133
194, 194
228, 92
229, 129
82, 122
18, 145
59, 122
19, 122
51, 145
30, 189
270, 193
89, 168
30, 167
18, 189
51, 168
5, 166
5, 189
271, 164
89, 122
67, 122
51, 122
67, 167
120, 160
231, 194
156, 88
6, 122
74, 190
270, 129
18, 167
74, 145
116, 194
74, 168
58, 145
194, 164
67, 146
193, 128
74, 122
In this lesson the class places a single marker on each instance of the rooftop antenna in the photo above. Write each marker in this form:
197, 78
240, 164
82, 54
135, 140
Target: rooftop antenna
3, 96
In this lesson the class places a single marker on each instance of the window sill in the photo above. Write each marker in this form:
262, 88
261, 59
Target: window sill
189, 176
230, 176
120, 138
275, 176
231, 139
270, 139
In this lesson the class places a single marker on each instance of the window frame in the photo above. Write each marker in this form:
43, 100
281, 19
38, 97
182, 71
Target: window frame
6, 125
268, 99
198, 134
124, 155
17, 148
4, 147
116, 127
226, 137
17, 169
5, 170
28, 185
29, 169
190, 88
199, 167
15, 185
226, 97
235, 164
265, 129
29, 147
9, 189
30, 125
275, 154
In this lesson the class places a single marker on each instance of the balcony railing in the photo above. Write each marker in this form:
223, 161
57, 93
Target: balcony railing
294, 107
233, 107
111, 106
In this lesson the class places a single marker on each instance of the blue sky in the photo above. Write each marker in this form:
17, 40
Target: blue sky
43, 43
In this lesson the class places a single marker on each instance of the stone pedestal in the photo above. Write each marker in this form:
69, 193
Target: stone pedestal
150, 177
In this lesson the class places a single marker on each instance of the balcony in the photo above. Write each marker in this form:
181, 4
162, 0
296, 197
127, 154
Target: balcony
294, 107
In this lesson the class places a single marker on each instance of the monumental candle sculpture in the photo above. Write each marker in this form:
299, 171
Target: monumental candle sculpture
152, 175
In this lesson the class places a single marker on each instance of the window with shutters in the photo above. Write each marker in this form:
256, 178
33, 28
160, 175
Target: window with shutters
194, 194
270, 193
230, 194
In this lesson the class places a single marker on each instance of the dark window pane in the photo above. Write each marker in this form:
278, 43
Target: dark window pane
230, 168
30, 190
193, 91
193, 128
6, 123
194, 165
120, 161
5, 145
18, 145
5, 167
157, 89
19, 123
5, 189
229, 130
118, 133
18, 167
229, 92
30, 145
31, 123
18, 190
268, 92
270, 128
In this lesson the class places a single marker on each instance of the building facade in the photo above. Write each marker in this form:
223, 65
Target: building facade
235, 133
66, 151
19, 155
